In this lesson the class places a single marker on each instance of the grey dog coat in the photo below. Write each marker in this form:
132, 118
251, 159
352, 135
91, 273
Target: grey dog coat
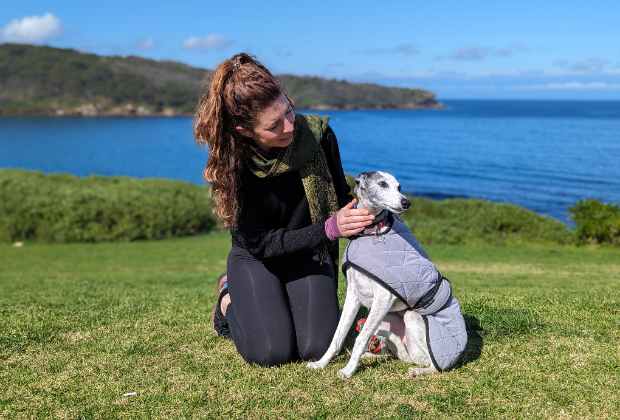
397, 262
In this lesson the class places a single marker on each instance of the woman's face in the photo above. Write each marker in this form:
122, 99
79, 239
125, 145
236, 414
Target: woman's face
275, 124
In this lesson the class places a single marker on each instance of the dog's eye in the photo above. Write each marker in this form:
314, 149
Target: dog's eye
399, 188
383, 184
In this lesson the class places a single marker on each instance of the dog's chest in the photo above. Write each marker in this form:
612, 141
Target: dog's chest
362, 285
396, 261
365, 288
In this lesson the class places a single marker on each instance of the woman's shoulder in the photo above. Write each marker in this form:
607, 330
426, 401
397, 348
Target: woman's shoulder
317, 124
322, 120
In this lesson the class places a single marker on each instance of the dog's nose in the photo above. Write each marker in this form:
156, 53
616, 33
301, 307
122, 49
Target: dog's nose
405, 203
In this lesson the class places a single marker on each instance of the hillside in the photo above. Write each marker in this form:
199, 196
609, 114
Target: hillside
39, 80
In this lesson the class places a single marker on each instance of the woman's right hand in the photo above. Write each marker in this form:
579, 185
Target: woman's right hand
352, 221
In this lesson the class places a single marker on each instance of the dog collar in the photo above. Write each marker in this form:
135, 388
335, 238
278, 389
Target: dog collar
382, 219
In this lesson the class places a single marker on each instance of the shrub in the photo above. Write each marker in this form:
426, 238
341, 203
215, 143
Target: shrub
66, 208
459, 221
596, 222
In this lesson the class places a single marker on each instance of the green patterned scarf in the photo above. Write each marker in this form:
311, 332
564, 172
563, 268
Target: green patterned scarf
305, 155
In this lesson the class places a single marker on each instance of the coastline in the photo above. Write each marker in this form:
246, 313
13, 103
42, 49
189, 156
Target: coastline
139, 87
133, 110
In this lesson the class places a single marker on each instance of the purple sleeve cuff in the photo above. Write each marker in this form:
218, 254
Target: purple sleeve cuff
331, 228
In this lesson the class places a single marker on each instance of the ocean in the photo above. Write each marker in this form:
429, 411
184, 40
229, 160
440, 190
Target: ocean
542, 155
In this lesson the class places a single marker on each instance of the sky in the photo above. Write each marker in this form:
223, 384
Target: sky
458, 49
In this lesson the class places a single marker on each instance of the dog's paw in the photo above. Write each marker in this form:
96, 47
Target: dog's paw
344, 374
421, 371
315, 365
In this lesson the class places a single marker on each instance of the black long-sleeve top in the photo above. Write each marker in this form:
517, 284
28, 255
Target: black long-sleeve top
275, 217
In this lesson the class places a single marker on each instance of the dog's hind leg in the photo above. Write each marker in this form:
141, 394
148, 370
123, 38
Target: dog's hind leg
395, 345
415, 338
381, 304
349, 311
393, 329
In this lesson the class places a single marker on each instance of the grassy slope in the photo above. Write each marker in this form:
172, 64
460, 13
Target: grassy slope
80, 325
39, 80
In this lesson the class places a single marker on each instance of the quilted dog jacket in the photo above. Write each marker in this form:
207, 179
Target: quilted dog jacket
397, 262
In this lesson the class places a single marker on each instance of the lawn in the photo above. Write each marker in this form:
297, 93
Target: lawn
82, 325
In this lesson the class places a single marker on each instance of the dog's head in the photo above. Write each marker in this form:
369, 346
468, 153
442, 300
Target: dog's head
380, 190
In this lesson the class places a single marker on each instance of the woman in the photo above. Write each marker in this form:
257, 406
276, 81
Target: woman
278, 184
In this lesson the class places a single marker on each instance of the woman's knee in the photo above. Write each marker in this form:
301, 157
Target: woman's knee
314, 347
273, 355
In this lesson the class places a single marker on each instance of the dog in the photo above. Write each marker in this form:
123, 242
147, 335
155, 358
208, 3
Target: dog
388, 272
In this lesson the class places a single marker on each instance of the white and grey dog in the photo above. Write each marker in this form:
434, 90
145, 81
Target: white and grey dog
388, 272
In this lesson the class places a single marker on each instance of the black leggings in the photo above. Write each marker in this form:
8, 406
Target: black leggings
281, 310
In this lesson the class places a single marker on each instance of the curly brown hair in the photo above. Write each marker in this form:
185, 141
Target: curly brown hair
238, 90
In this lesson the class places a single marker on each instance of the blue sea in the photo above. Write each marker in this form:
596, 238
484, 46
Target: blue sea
543, 155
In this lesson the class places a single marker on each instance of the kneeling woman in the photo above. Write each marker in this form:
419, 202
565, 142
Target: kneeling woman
278, 185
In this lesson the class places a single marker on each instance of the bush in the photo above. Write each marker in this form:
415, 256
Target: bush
460, 221
66, 208
596, 222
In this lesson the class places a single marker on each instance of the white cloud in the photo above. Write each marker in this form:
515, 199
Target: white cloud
146, 44
32, 29
470, 54
589, 65
572, 86
209, 42
402, 49
482, 53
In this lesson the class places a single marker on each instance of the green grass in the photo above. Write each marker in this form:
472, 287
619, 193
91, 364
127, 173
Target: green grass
82, 324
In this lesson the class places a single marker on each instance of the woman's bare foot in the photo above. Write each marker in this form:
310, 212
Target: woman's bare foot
218, 314
225, 303
226, 298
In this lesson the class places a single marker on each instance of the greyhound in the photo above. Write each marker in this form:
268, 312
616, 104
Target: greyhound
373, 263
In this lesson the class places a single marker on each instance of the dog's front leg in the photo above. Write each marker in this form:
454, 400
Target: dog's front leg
381, 305
349, 312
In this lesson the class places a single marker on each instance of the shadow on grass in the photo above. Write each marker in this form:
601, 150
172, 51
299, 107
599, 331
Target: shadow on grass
497, 322
475, 343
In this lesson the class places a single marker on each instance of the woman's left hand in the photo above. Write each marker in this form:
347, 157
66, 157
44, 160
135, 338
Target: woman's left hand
352, 221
